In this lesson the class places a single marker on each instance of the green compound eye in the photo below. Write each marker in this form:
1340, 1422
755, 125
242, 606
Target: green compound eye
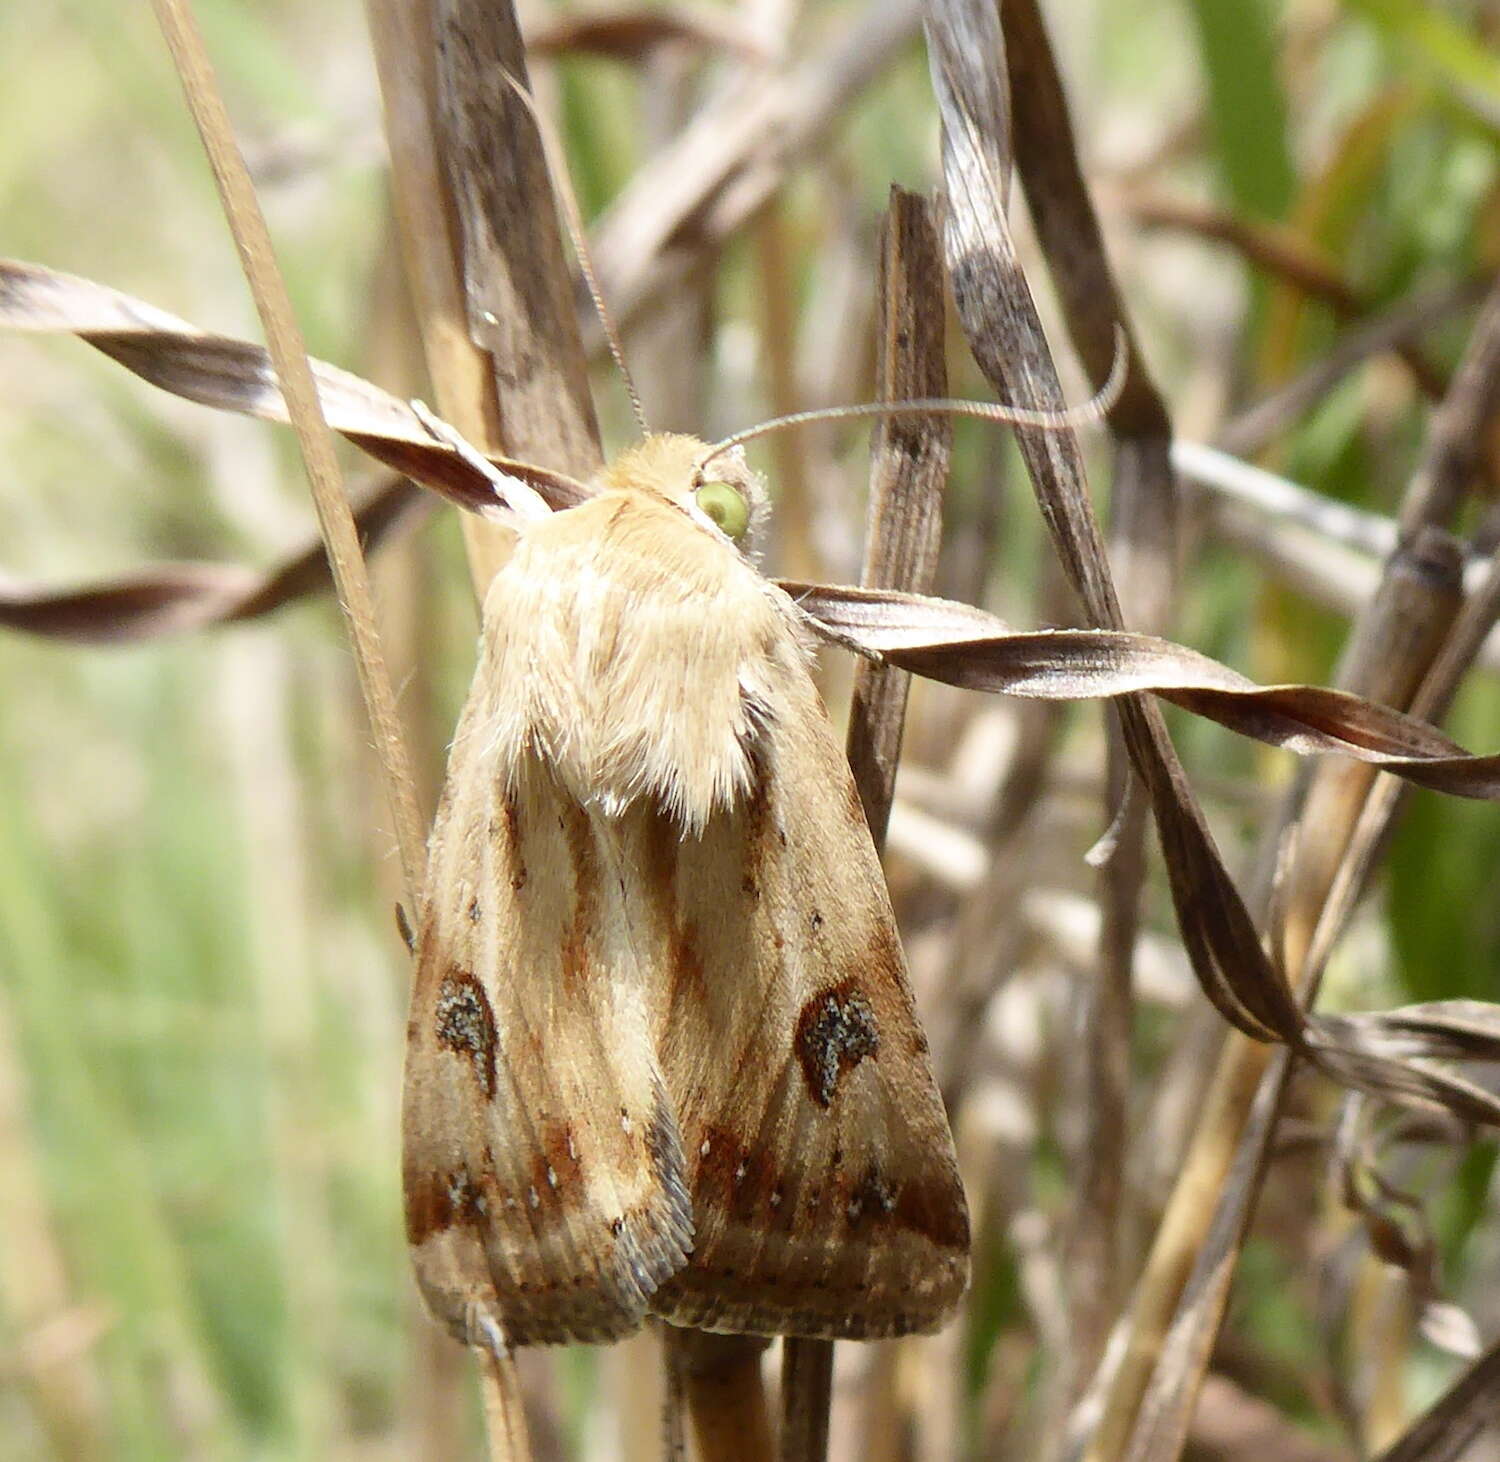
729, 511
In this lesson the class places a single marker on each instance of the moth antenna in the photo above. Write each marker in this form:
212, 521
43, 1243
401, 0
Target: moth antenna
573, 215
1094, 409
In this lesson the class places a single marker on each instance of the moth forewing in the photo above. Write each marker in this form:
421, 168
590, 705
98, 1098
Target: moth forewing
662, 1050
826, 1193
543, 1171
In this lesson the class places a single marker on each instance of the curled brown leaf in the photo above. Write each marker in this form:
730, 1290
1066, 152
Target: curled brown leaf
174, 598
232, 375
965, 646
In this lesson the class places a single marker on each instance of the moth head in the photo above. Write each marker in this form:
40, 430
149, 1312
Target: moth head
725, 495
717, 490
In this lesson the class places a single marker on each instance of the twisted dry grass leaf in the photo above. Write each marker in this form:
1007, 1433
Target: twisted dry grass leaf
1200, 1239
994, 305
969, 647
937, 638
232, 375
179, 597
1143, 547
1361, 1056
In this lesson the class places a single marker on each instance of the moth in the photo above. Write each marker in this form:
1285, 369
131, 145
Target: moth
662, 1055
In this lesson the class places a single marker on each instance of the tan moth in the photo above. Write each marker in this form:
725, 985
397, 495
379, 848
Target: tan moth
662, 1055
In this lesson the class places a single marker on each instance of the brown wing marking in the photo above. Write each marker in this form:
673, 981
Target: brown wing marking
826, 1193
543, 1168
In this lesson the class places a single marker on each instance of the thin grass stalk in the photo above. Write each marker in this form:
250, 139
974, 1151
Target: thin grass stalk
806, 1398
721, 1380
1005, 334
1000, 321
315, 442
294, 374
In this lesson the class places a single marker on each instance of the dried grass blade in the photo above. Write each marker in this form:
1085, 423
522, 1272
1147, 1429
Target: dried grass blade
1394, 653
720, 1376
965, 646
462, 375
517, 286
1163, 1412
232, 375
908, 472
1360, 1053
177, 597
1005, 334
1047, 161
1200, 1239
1143, 551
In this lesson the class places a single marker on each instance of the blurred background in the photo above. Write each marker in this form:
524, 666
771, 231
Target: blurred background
202, 992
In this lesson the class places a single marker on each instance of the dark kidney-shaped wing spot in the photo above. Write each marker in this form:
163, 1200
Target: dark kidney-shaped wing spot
466, 1024
835, 1032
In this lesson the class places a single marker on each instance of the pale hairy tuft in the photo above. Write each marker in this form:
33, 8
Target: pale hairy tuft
639, 654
